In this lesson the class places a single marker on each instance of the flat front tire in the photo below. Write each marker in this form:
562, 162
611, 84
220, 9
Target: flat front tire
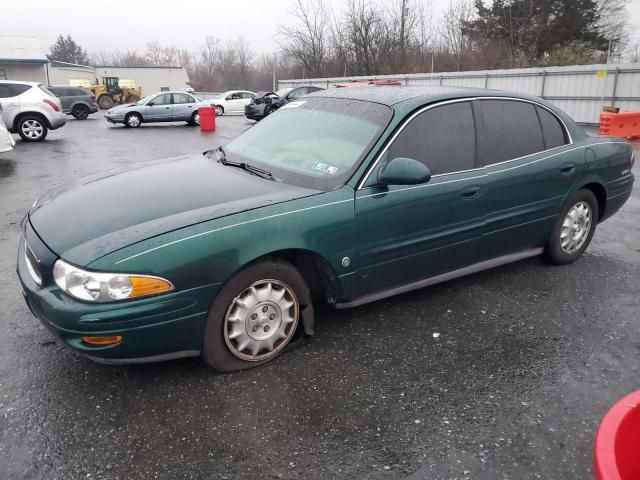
255, 315
574, 228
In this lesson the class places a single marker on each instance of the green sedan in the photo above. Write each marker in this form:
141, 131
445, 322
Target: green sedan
346, 196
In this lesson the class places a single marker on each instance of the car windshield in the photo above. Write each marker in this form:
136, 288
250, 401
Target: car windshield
283, 91
144, 100
313, 143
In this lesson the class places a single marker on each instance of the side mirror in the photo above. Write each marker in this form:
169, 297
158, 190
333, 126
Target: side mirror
150, 104
404, 171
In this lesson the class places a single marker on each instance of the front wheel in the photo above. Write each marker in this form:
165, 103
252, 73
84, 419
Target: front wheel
133, 120
573, 229
219, 110
32, 128
255, 316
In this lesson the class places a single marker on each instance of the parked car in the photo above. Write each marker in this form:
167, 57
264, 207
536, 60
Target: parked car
232, 101
266, 103
350, 196
6, 140
30, 109
369, 83
76, 101
159, 107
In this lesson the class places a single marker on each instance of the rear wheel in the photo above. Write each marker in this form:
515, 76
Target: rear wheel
133, 120
32, 128
195, 119
255, 316
80, 112
105, 102
574, 228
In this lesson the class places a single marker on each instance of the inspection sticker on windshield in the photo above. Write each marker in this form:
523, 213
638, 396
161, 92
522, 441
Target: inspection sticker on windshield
296, 104
325, 168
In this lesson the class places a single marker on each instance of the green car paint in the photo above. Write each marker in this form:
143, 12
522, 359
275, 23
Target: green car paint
366, 240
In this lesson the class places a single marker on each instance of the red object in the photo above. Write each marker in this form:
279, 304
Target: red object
616, 451
622, 124
51, 104
368, 83
207, 119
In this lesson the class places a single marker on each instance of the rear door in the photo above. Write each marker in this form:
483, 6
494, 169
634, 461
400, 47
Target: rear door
408, 233
183, 106
530, 168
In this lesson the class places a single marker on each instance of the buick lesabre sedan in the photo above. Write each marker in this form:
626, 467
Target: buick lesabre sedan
345, 196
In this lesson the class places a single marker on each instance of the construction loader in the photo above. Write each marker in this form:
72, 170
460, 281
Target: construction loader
109, 93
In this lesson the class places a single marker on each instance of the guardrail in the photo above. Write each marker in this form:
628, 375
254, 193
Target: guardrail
579, 90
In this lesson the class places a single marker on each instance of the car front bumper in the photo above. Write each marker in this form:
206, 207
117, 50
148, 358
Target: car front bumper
254, 111
155, 328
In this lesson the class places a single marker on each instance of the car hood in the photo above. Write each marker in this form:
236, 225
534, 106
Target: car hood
119, 108
93, 217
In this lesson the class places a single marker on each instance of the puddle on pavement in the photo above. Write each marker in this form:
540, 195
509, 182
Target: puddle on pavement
7, 168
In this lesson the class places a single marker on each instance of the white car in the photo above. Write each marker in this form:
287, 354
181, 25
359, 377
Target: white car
6, 140
232, 101
30, 109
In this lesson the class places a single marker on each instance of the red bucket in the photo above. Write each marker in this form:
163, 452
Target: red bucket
207, 119
617, 446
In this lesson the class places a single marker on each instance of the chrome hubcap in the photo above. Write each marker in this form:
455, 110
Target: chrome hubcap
196, 118
134, 121
575, 228
261, 320
218, 111
32, 128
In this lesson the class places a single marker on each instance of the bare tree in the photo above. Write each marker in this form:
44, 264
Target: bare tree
453, 30
307, 40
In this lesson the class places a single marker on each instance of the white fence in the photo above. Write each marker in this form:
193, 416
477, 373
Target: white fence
579, 90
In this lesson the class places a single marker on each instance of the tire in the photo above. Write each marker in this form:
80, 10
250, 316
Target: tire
219, 110
80, 112
32, 128
259, 294
195, 119
105, 102
132, 120
573, 229
133, 98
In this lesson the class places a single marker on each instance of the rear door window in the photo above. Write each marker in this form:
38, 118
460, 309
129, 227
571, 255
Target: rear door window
507, 129
443, 138
6, 91
552, 130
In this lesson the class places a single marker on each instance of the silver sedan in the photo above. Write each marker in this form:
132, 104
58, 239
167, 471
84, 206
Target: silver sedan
175, 106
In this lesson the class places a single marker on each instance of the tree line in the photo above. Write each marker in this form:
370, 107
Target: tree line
375, 37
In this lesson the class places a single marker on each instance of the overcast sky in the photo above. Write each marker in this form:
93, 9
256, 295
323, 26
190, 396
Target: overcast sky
103, 26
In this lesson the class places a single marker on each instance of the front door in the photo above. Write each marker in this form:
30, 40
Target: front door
159, 109
409, 233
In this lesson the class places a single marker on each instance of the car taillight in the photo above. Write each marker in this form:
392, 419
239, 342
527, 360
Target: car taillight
93, 97
51, 104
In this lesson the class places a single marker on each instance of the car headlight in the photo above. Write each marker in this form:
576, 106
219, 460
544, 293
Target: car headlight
106, 287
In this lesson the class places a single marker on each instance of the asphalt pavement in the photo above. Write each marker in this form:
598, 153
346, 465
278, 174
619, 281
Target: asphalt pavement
504, 374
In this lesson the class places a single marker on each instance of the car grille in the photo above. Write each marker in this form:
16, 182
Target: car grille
33, 266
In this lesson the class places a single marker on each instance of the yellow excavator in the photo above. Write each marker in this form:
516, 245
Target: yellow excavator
109, 93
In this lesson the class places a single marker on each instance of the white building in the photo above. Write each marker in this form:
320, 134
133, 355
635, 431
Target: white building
150, 79
22, 58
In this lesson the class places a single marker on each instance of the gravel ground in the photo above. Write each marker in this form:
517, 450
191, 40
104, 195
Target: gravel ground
528, 359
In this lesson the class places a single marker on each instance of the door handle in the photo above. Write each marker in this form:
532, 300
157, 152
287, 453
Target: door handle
167, 108
469, 193
568, 168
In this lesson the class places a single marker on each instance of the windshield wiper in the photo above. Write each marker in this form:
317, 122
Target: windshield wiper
244, 165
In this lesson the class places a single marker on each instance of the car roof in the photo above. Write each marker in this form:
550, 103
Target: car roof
21, 82
393, 95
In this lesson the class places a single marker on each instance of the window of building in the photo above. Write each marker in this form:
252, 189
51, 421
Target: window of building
3, 74
127, 82
79, 82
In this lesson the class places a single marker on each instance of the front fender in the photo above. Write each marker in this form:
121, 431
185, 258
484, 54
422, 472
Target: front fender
211, 252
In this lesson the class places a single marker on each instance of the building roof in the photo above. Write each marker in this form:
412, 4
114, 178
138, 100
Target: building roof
61, 64
21, 50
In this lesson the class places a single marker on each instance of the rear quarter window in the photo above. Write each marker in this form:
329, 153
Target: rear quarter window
507, 129
19, 89
553, 132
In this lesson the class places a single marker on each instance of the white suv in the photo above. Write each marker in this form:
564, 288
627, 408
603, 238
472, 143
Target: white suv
30, 110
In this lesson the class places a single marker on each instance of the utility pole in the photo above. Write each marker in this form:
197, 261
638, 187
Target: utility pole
403, 49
